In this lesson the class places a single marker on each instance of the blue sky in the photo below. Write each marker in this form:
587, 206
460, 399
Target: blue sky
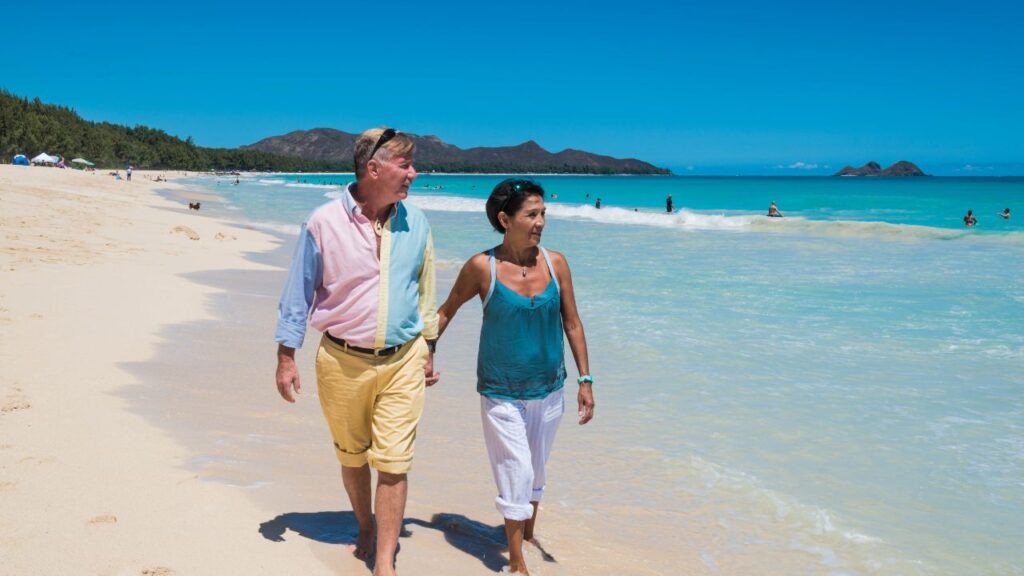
733, 87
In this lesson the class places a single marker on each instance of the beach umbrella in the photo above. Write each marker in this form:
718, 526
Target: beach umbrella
82, 161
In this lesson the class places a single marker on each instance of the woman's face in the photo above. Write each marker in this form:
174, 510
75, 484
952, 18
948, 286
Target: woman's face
527, 225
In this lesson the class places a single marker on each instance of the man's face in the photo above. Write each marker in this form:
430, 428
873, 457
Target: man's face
395, 177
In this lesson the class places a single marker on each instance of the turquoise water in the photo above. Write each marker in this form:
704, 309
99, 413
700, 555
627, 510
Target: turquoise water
851, 376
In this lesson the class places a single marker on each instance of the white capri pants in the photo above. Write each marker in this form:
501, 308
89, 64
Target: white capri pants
519, 435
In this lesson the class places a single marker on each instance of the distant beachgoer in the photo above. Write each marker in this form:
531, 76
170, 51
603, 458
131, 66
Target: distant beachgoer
529, 308
363, 274
129, 172
668, 204
236, 181
554, 196
970, 220
773, 211
1005, 213
597, 204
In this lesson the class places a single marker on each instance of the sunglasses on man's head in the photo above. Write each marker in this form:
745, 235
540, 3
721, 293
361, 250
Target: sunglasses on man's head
384, 138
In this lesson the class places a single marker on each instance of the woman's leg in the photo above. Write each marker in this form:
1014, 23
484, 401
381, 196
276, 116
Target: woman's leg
542, 420
504, 426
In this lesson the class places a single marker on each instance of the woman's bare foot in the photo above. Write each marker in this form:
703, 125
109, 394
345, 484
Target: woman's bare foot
516, 569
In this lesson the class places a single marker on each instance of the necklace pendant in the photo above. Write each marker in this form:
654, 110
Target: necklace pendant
524, 271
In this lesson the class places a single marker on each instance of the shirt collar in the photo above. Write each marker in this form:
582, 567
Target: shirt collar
352, 207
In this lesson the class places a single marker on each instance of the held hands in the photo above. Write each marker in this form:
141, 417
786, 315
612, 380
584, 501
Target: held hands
432, 377
585, 399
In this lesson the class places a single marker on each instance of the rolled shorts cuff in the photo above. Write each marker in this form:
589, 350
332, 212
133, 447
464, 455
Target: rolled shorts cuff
538, 494
389, 465
349, 460
513, 511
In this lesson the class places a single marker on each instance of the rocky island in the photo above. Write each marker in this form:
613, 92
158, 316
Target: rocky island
901, 168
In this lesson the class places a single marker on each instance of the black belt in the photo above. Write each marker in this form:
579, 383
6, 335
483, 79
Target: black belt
370, 351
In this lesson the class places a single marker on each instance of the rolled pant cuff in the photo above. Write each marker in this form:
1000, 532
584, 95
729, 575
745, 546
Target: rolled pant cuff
513, 511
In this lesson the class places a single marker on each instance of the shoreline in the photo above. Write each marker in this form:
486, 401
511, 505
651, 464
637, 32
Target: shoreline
157, 439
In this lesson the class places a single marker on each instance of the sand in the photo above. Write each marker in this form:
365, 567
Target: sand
140, 431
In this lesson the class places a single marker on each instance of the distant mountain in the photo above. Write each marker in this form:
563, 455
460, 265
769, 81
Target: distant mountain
901, 168
433, 154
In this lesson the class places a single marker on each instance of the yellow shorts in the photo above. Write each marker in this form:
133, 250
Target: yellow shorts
372, 405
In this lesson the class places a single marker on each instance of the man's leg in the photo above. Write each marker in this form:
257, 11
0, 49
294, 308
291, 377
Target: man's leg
392, 490
357, 485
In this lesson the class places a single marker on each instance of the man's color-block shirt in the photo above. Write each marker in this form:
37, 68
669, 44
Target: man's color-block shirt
339, 284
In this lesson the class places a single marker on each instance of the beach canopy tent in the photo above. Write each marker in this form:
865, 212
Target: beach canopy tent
45, 158
20, 160
82, 161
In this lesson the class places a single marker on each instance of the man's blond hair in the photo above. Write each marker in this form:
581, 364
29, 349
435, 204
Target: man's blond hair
401, 145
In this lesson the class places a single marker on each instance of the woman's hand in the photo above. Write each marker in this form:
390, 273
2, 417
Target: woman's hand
585, 399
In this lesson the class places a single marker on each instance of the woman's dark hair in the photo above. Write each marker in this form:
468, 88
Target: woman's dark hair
508, 197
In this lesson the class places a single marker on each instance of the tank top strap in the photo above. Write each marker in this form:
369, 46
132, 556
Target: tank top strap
494, 278
551, 269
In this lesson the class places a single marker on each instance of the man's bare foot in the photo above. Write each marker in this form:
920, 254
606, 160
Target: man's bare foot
365, 545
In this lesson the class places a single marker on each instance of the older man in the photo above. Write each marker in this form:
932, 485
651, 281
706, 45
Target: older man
363, 274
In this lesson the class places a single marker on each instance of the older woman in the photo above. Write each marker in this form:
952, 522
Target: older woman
528, 303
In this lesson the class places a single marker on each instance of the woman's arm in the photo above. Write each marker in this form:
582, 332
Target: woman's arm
574, 332
471, 282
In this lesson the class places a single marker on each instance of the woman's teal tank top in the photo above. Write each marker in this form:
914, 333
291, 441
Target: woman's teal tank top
521, 341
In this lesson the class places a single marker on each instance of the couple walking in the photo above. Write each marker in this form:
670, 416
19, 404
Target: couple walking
363, 275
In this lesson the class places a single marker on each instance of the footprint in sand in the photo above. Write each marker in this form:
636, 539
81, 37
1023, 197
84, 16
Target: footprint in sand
13, 405
103, 519
7, 486
192, 235
157, 571
223, 236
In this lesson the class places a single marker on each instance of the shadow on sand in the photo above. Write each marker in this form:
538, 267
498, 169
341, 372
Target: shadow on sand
486, 543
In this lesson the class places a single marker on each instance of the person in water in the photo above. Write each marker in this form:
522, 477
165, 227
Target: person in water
597, 204
668, 204
1005, 213
773, 211
970, 220
528, 305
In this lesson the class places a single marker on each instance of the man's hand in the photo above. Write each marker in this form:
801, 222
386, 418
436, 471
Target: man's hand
432, 377
287, 373
585, 398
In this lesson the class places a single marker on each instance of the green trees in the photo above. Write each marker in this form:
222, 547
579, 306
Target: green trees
30, 127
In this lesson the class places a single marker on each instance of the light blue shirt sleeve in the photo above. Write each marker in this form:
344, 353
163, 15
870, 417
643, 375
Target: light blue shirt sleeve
304, 277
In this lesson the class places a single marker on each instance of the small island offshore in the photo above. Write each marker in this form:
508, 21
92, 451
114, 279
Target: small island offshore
901, 168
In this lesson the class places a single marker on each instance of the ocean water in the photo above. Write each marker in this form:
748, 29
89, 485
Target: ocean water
845, 383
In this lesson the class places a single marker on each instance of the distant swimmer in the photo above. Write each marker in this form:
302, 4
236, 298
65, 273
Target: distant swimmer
668, 204
773, 211
1005, 213
597, 204
553, 196
969, 219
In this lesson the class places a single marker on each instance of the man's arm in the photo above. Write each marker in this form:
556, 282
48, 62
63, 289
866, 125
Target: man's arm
428, 307
304, 277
